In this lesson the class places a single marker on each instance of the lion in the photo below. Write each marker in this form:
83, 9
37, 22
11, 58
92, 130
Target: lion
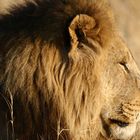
66, 73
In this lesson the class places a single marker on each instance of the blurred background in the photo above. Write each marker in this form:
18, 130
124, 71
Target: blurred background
127, 13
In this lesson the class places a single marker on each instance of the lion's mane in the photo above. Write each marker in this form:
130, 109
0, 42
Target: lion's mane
52, 93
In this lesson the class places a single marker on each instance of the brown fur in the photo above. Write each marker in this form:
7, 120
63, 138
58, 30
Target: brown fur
49, 78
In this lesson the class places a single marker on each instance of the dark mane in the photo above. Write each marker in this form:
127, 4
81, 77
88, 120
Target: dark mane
47, 18
52, 93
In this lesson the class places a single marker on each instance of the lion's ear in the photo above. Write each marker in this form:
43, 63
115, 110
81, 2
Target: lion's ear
81, 27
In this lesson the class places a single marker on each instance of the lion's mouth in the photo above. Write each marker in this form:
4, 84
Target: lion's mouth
120, 123
117, 128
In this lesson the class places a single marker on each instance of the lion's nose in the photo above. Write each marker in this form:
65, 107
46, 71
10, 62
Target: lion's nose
119, 123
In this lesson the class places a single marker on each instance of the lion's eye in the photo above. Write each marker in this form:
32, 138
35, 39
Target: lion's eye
124, 66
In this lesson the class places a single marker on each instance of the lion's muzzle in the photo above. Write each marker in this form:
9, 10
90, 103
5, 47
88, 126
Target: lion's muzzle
122, 125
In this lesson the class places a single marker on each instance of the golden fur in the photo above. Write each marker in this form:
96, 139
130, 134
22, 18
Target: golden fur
52, 58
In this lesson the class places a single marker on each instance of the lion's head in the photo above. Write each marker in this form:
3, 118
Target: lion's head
120, 82
66, 73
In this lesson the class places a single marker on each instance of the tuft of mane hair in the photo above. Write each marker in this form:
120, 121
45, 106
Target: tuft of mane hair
47, 90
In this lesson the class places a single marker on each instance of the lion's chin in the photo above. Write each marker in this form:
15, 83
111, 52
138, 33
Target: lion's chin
122, 133
118, 132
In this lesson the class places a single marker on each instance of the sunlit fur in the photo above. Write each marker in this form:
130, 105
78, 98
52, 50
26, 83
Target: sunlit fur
56, 92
